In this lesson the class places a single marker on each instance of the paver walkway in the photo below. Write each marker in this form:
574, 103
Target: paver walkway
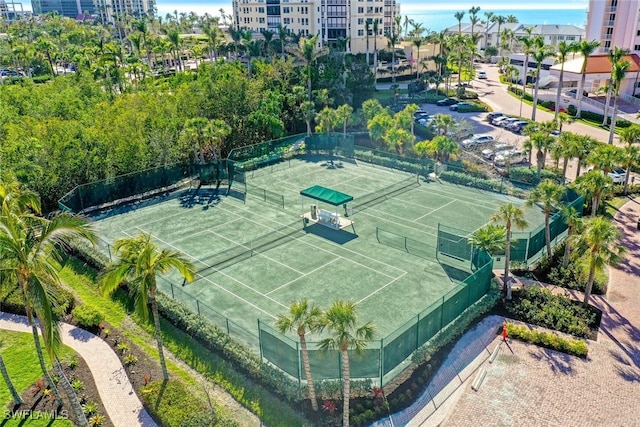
120, 401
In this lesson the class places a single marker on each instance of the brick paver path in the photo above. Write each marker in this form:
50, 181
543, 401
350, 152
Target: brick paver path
120, 401
531, 386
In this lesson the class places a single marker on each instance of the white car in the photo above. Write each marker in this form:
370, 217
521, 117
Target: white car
477, 140
490, 152
618, 175
482, 75
513, 157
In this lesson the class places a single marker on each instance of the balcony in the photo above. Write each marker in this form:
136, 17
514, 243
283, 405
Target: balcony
609, 23
611, 9
606, 37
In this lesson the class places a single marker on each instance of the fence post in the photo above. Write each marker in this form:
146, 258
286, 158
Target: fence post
418, 331
381, 361
299, 370
259, 338
405, 245
377, 237
227, 321
198, 306
172, 295
441, 313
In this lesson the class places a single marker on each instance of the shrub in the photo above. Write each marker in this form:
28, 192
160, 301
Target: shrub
87, 316
122, 347
130, 359
77, 385
528, 175
90, 408
548, 340
539, 306
96, 420
475, 108
73, 362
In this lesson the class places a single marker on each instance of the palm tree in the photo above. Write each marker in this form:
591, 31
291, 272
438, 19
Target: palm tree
489, 20
302, 317
615, 55
605, 157
140, 261
491, 238
593, 185
542, 51
567, 146
441, 147
549, 194
618, 73
573, 219
367, 30
344, 113
282, 36
341, 320
30, 246
393, 38
375, 49
563, 51
308, 110
459, 16
586, 48
417, 43
630, 136
499, 19
528, 43
599, 241
307, 52
17, 400
512, 216
584, 145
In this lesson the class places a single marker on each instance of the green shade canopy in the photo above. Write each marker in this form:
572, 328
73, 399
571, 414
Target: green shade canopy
326, 195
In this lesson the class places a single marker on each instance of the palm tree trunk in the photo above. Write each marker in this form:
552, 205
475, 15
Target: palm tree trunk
81, 419
605, 115
592, 275
579, 94
156, 322
346, 377
535, 96
547, 232
45, 371
558, 93
564, 168
17, 400
595, 201
612, 129
507, 255
307, 373
567, 249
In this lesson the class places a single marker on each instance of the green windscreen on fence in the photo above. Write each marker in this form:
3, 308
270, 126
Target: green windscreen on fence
258, 155
124, 187
454, 243
280, 351
420, 166
338, 143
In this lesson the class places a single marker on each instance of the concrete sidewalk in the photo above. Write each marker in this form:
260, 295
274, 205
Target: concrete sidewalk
120, 401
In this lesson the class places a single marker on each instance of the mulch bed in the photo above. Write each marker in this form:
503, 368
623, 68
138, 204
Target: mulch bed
140, 373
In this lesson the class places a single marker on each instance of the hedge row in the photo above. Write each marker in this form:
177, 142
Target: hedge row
420, 166
529, 175
548, 340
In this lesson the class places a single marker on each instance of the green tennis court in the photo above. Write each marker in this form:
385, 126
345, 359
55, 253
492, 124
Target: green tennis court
386, 260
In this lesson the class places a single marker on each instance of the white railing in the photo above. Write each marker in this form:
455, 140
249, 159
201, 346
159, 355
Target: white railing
630, 99
599, 105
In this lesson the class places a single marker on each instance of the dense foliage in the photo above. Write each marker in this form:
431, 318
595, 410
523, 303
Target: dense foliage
539, 306
548, 340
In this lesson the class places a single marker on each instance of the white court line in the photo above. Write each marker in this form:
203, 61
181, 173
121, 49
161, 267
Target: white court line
437, 209
333, 244
464, 199
258, 253
381, 288
303, 275
380, 218
217, 270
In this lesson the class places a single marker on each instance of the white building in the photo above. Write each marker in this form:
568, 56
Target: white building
330, 19
107, 10
614, 23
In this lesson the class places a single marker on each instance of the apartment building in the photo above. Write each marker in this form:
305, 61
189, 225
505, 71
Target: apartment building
614, 23
68, 8
11, 10
107, 10
331, 20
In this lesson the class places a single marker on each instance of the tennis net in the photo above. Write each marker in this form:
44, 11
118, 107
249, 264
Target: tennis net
243, 251
371, 199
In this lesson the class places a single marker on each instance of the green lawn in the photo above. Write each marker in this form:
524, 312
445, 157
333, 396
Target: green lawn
19, 354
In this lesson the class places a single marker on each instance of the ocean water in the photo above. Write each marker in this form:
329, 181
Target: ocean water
435, 15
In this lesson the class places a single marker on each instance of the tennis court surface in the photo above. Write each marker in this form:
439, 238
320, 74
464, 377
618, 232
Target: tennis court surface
254, 255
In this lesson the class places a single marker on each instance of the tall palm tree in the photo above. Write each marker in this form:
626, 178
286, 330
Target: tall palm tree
563, 50
586, 48
417, 43
618, 73
367, 30
605, 157
459, 16
341, 321
376, 29
393, 38
615, 55
573, 219
17, 400
303, 317
308, 110
598, 241
30, 248
568, 149
307, 52
541, 52
488, 21
512, 216
528, 42
282, 36
549, 194
344, 113
499, 19
140, 261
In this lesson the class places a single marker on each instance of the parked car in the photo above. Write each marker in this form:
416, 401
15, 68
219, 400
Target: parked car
455, 107
446, 101
482, 75
499, 148
498, 120
518, 126
513, 157
477, 140
554, 133
618, 175
494, 115
505, 123
573, 92
420, 113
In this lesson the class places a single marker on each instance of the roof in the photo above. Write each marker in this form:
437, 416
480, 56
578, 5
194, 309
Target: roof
597, 64
326, 195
